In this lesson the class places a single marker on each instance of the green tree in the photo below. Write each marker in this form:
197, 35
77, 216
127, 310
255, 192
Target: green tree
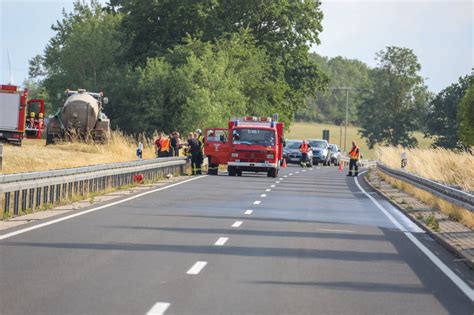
466, 117
442, 122
284, 29
329, 105
393, 104
82, 52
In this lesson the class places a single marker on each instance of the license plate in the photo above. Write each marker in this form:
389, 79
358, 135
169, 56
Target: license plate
295, 159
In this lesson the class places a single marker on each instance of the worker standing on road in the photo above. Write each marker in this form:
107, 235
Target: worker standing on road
304, 148
354, 155
200, 140
194, 149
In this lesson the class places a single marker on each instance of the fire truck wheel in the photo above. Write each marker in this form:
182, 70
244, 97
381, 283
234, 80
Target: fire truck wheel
239, 173
272, 172
231, 171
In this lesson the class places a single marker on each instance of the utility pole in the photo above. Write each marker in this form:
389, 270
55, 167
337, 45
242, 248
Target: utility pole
347, 89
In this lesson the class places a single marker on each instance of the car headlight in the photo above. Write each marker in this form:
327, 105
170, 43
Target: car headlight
234, 155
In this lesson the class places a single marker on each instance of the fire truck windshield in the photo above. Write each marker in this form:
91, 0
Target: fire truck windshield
252, 136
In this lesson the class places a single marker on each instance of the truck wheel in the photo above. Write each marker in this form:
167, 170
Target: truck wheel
213, 169
231, 171
272, 172
239, 173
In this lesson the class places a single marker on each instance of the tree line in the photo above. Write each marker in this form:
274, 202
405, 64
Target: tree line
180, 65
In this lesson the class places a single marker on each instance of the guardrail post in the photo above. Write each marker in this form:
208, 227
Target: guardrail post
6, 209
38, 197
16, 197
1, 157
23, 200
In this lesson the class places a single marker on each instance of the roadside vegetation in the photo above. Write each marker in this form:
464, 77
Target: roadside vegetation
442, 165
34, 155
454, 212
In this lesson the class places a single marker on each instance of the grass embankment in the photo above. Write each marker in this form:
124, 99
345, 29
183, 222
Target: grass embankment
309, 130
440, 165
34, 155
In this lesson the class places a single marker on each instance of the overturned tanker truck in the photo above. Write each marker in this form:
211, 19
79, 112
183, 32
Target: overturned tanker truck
81, 118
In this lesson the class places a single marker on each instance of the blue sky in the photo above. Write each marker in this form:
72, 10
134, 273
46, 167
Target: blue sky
440, 33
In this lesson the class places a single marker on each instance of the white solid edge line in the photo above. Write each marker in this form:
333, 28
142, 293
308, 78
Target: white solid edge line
442, 266
257, 202
263, 195
221, 241
196, 268
248, 212
34, 227
158, 309
237, 224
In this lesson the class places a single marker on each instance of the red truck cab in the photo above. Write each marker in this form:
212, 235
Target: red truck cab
251, 144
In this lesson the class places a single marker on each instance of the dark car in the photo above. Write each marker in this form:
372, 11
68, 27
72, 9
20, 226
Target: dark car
291, 152
335, 154
321, 152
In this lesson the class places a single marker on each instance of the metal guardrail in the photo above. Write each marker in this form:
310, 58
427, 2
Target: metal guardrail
450, 194
27, 191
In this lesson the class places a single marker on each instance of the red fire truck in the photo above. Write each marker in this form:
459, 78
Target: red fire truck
251, 144
19, 116
12, 113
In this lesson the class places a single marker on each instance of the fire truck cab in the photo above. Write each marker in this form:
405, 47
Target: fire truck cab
250, 144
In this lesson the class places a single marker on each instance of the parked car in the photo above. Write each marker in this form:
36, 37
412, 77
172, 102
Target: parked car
321, 152
292, 154
335, 154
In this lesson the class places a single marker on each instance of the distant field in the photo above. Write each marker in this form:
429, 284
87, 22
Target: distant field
304, 130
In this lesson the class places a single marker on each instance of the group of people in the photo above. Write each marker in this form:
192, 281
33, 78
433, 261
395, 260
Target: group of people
169, 146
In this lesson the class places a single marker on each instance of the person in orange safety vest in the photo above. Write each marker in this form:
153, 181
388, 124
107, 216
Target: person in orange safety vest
354, 155
304, 148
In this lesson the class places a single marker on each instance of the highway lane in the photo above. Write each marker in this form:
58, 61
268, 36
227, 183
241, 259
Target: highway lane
306, 243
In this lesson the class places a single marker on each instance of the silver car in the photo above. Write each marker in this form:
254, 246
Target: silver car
335, 154
292, 154
320, 151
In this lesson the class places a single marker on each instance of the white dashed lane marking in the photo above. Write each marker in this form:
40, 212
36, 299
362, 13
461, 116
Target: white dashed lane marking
237, 224
158, 309
272, 186
257, 202
277, 182
248, 212
221, 241
197, 267
268, 190
263, 195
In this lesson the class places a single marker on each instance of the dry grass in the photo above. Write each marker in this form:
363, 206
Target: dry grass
456, 213
309, 130
440, 165
34, 155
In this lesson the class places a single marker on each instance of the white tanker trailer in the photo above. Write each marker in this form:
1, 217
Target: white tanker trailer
80, 118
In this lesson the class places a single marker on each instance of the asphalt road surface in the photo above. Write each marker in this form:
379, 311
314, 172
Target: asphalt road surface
309, 242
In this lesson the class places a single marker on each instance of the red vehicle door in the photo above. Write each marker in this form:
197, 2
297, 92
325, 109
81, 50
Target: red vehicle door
216, 147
